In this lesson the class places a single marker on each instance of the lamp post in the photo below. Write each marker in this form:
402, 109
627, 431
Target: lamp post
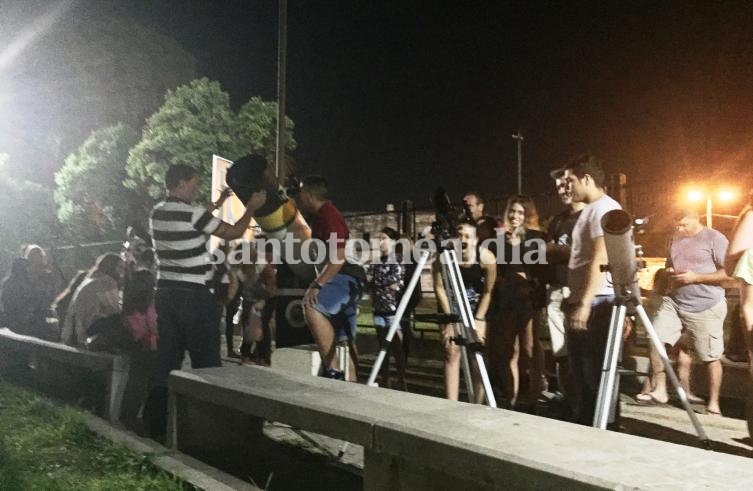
723, 195
519, 137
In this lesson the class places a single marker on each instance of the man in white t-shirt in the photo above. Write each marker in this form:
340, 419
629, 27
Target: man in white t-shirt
591, 294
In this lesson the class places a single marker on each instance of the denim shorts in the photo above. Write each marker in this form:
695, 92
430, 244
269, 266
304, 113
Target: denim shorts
384, 321
338, 301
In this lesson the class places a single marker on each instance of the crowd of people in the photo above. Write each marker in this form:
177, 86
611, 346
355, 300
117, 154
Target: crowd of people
167, 298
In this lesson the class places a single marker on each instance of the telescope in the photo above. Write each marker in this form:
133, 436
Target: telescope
621, 254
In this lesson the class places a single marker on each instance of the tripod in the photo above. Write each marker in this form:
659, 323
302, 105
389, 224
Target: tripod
461, 316
607, 400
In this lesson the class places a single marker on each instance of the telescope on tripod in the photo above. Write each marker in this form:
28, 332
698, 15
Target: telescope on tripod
623, 267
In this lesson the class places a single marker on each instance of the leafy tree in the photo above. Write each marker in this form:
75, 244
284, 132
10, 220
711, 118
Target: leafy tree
92, 200
194, 123
257, 127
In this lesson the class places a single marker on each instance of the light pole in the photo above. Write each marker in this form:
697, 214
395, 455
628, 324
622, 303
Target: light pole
724, 195
519, 137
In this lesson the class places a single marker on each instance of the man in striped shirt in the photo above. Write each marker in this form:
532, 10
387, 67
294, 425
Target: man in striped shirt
187, 316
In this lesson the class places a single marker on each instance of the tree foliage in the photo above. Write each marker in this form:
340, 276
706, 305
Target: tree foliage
92, 200
195, 122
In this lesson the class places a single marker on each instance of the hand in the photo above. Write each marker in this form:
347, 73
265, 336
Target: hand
578, 318
686, 278
448, 332
311, 297
257, 200
224, 194
480, 332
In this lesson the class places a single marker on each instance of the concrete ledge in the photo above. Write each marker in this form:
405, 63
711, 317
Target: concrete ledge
43, 361
182, 466
419, 442
491, 449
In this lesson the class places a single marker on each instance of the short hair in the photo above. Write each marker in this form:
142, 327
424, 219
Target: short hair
106, 264
316, 186
685, 212
478, 197
176, 173
588, 164
390, 232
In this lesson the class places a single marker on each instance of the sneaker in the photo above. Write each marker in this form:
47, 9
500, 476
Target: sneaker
333, 374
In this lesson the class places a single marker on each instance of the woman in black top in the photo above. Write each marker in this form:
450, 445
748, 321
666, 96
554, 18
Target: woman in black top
521, 292
478, 270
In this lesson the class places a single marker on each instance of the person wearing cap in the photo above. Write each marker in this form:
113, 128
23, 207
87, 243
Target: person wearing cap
560, 234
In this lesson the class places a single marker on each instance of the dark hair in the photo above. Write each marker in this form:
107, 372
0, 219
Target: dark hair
176, 173
106, 264
316, 186
588, 164
478, 197
390, 232
138, 294
531, 215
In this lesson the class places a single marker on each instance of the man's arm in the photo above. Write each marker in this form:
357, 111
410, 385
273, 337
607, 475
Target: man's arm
232, 232
579, 316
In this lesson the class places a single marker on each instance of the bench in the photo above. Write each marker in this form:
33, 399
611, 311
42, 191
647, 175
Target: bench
418, 442
62, 370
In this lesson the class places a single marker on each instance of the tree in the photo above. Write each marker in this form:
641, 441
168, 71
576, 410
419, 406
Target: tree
194, 123
92, 200
257, 129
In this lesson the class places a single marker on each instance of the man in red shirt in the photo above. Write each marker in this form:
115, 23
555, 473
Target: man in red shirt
331, 300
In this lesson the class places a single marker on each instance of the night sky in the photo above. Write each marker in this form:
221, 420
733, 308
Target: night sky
392, 99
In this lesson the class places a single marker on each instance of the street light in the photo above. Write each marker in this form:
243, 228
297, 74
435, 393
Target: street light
722, 195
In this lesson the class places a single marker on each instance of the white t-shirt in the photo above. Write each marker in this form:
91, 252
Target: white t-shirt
587, 229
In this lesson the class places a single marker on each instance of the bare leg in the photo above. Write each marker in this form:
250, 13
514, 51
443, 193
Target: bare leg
400, 359
451, 363
659, 393
352, 361
511, 354
324, 335
715, 385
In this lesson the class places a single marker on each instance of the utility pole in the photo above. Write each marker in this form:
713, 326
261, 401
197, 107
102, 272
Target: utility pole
519, 137
282, 49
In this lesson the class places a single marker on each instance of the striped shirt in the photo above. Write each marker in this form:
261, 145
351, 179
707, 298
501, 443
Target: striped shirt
180, 233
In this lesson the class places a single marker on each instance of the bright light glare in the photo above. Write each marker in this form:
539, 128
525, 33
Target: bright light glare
695, 195
726, 195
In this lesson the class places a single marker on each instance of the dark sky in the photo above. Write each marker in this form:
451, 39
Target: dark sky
392, 99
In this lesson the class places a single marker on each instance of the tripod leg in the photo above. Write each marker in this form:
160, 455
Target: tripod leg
490, 400
398, 317
465, 366
607, 385
659, 347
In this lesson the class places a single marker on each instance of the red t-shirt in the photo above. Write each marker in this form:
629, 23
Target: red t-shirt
328, 221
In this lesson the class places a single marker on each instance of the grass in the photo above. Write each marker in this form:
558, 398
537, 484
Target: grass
47, 447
